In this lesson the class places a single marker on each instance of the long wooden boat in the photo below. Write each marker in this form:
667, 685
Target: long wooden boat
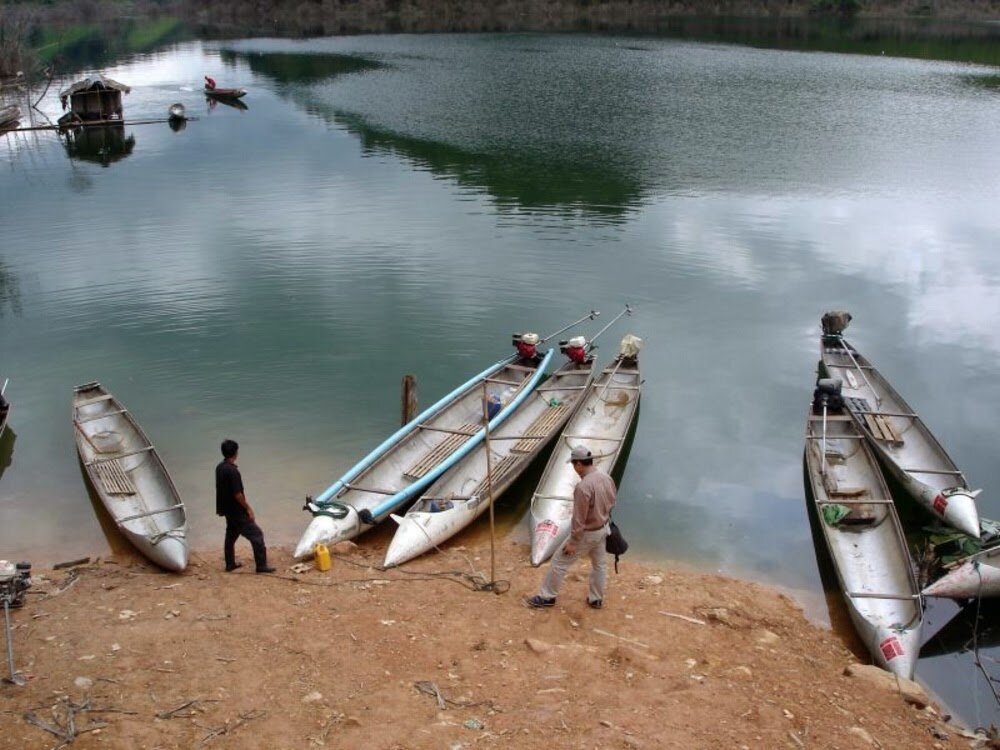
602, 424
900, 437
225, 93
129, 477
463, 494
973, 577
416, 455
867, 546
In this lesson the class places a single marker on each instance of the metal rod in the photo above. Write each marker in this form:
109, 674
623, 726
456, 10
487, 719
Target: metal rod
948, 472
866, 595
626, 311
847, 348
5, 381
823, 469
590, 316
489, 484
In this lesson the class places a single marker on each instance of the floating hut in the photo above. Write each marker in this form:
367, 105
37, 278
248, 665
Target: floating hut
95, 98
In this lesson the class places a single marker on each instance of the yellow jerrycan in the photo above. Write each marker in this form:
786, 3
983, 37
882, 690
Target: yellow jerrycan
322, 557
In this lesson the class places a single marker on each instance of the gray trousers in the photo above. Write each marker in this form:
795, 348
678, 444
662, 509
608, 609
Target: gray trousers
590, 545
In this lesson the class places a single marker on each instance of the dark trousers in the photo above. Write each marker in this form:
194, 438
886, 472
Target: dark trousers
242, 526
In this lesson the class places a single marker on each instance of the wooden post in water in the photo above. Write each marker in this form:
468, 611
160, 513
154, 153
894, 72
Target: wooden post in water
409, 398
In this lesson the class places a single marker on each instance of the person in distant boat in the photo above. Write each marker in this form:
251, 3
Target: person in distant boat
209, 83
593, 498
231, 502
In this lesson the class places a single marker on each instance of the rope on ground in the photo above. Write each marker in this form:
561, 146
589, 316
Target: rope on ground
473, 581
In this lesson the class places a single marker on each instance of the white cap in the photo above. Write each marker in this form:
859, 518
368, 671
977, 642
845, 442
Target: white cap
579, 453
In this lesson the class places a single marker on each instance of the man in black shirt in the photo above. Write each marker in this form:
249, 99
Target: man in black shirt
232, 503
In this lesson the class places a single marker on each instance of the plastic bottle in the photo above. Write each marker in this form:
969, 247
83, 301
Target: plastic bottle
322, 557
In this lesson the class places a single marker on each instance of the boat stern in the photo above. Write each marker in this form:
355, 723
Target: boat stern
969, 580
958, 509
547, 534
897, 650
410, 539
326, 528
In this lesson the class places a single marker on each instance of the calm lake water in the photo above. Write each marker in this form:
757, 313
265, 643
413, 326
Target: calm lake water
402, 204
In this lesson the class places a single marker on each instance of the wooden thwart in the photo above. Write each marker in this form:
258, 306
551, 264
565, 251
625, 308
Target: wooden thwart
442, 450
540, 429
112, 475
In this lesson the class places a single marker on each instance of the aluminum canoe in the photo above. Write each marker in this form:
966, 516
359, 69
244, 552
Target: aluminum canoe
602, 423
463, 494
867, 547
901, 438
129, 478
416, 455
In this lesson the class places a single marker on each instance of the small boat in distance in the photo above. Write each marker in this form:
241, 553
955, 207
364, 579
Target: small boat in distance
129, 478
219, 93
226, 93
601, 423
862, 533
896, 432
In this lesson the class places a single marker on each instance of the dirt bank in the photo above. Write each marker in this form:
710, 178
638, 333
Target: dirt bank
357, 657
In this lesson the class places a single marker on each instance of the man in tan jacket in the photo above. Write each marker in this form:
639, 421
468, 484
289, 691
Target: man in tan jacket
593, 499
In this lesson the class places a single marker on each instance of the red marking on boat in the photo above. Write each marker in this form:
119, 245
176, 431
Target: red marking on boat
546, 527
940, 504
891, 648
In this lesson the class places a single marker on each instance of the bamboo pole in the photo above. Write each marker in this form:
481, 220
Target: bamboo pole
408, 405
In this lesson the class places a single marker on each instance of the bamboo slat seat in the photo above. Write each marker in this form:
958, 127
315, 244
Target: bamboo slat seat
497, 470
540, 429
441, 451
112, 475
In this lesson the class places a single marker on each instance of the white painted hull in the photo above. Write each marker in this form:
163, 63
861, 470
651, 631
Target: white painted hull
869, 555
386, 480
602, 423
975, 576
917, 460
421, 529
129, 478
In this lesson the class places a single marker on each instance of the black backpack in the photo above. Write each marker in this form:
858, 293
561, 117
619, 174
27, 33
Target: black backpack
615, 543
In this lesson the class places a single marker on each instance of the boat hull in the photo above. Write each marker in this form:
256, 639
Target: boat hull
602, 423
976, 576
867, 548
462, 495
415, 456
902, 440
129, 478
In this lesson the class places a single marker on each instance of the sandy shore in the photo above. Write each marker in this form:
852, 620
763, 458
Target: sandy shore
119, 655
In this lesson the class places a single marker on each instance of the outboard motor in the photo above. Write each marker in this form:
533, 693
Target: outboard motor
527, 345
575, 349
835, 323
828, 394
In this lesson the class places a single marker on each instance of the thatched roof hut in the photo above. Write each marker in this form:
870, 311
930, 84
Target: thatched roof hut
95, 98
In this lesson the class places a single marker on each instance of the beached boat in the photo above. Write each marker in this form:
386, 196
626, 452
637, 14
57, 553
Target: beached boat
970, 578
601, 423
413, 457
129, 478
898, 435
465, 492
225, 93
863, 536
